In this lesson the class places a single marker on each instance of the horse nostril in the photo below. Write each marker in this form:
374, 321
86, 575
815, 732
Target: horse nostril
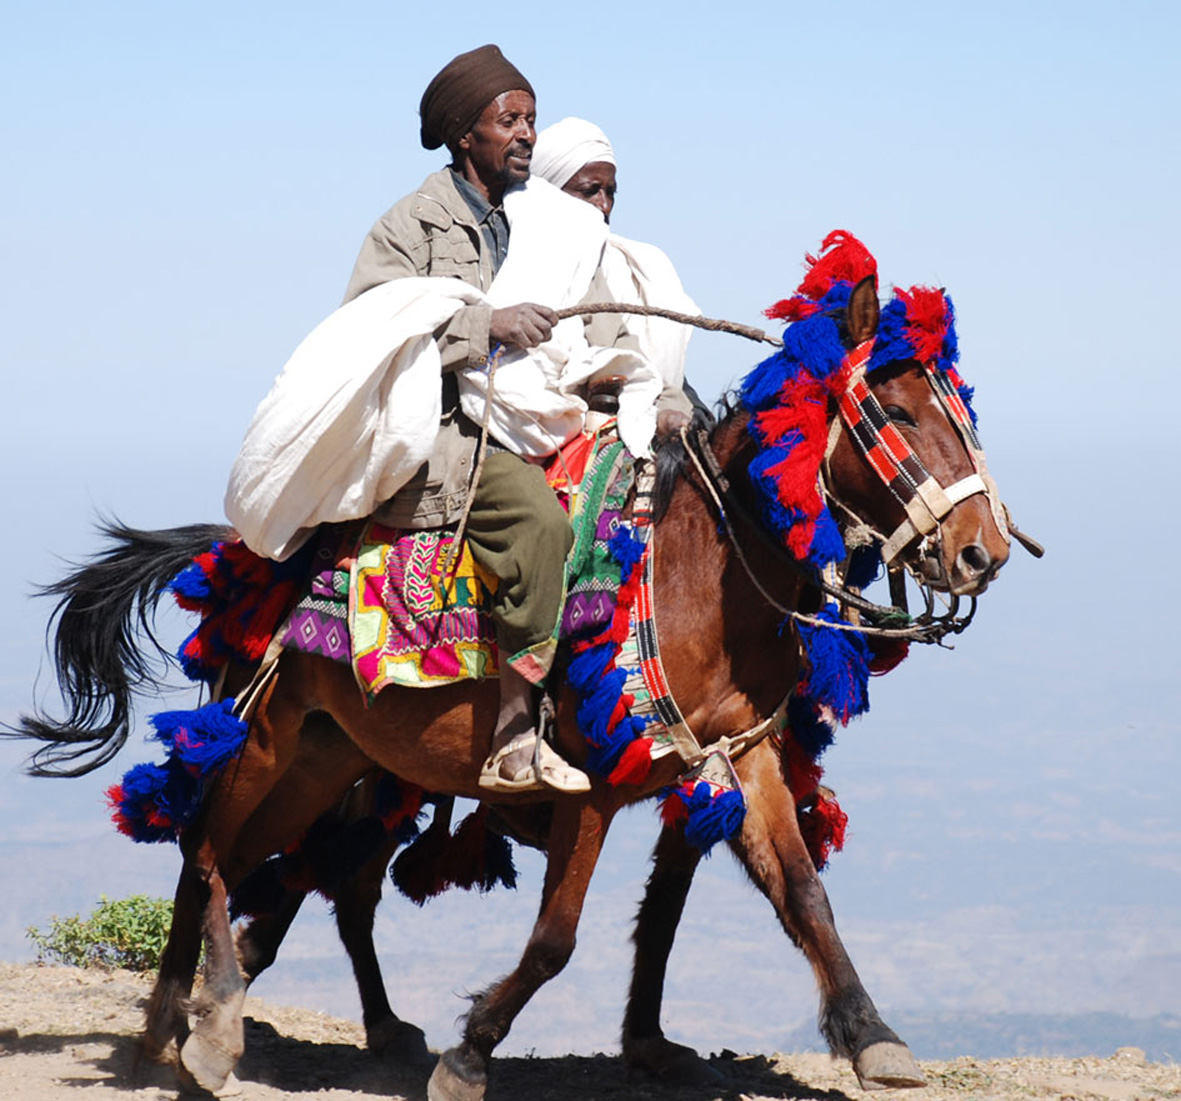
975, 560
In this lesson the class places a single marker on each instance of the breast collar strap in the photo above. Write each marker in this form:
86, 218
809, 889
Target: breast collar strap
926, 501
684, 741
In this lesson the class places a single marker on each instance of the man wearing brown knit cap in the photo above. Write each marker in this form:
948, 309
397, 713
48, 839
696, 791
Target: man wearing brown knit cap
482, 109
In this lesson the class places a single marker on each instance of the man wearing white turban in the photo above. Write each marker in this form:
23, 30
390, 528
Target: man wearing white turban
576, 156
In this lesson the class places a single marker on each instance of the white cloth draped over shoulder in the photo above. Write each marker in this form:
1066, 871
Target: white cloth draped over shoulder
355, 411
642, 275
636, 273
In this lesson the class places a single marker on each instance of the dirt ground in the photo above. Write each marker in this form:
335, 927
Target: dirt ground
68, 1033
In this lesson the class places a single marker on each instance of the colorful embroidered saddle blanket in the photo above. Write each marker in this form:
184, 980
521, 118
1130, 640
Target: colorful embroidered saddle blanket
378, 597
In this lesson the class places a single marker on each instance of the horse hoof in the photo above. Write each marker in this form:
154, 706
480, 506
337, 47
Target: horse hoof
888, 1065
451, 1081
209, 1066
399, 1042
673, 1064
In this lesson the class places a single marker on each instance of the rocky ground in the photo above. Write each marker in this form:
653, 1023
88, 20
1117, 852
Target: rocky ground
67, 1033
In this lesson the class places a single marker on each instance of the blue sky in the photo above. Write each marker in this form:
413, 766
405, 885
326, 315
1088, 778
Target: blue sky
185, 190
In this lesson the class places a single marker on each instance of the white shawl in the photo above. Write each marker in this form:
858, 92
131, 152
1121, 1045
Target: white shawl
355, 411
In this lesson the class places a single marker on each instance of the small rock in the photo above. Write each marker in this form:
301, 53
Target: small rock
1133, 1056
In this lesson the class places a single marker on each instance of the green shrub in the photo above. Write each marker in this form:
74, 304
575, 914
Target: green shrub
130, 933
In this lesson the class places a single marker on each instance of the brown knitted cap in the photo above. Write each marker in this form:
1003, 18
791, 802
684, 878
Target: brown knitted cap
461, 90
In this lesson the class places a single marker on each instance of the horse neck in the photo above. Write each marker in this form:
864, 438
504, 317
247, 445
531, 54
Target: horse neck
728, 660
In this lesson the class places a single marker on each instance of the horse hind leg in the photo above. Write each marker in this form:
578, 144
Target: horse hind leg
645, 1047
575, 840
222, 848
217, 1039
387, 1036
166, 1021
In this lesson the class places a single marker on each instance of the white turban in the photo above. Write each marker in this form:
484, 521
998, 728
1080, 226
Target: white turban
563, 148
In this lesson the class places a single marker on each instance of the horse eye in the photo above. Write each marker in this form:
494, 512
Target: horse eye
900, 416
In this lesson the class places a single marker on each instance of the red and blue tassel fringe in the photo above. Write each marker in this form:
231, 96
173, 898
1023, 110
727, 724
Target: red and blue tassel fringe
154, 802
617, 748
241, 598
709, 813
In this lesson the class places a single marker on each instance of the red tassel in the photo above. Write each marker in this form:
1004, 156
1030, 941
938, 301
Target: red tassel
464, 856
673, 810
842, 258
926, 321
803, 773
888, 653
823, 826
634, 763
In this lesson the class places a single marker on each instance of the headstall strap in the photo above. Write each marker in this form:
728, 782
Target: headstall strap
925, 500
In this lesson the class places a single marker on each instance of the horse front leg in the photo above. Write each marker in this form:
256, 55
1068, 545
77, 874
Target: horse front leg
645, 1047
772, 850
575, 841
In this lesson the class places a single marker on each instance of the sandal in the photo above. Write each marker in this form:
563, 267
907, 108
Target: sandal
545, 770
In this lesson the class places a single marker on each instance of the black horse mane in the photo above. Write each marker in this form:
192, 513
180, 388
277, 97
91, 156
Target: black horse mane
670, 452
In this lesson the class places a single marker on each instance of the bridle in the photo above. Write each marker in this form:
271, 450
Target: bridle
925, 500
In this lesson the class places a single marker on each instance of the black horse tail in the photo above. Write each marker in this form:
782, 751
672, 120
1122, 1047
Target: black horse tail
105, 649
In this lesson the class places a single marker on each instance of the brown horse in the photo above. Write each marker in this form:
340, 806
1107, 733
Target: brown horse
728, 665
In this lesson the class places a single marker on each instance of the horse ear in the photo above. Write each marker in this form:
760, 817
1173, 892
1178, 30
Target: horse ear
863, 312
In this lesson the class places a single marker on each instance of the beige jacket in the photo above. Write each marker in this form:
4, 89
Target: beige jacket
433, 232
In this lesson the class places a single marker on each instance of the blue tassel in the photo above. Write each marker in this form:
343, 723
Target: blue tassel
951, 340
865, 566
713, 818
816, 342
891, 343
763, 385
627, 550
165, 793
827, 542
192, 582
204, 738
811, 732
839, 665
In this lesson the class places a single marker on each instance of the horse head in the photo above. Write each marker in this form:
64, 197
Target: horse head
906, 462
865, 435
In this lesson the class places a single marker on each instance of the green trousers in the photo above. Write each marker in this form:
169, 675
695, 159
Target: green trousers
519, 532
